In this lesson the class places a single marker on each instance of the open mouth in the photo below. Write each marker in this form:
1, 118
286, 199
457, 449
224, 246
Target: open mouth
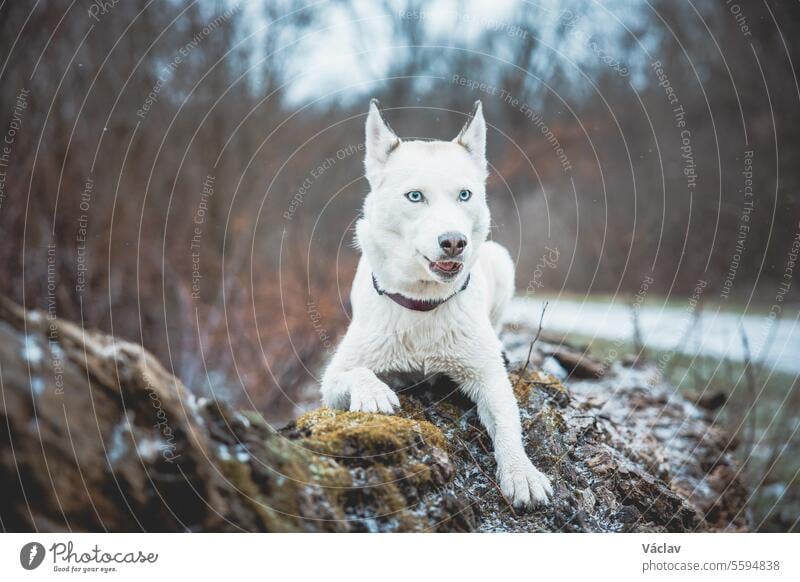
446, 269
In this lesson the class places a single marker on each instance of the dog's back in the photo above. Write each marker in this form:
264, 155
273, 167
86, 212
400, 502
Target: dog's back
499, 270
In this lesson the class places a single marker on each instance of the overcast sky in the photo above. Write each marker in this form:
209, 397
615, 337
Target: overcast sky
349, 50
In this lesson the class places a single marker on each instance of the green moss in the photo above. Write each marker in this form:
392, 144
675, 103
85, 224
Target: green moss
386, 481
348, 434
393, 454
522, 388
240, 477
337, 460
282, 478
419, 473
523, 385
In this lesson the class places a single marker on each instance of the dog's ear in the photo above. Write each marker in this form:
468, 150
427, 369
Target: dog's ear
380, 142
473, 135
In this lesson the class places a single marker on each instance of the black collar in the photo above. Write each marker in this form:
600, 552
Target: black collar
417, 304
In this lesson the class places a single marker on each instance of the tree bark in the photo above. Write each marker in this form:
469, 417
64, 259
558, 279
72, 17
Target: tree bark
96, 435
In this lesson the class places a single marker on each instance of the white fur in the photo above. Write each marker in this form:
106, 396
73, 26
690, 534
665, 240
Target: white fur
459, 338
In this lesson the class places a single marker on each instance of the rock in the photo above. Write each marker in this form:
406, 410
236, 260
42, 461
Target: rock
576, 363
101, 437
706, 400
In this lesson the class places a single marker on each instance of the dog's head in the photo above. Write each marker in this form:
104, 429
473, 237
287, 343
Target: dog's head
426, 214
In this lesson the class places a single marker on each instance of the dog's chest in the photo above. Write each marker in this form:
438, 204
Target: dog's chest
427, 344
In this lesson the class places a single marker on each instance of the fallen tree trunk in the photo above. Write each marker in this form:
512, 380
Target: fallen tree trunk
97, 436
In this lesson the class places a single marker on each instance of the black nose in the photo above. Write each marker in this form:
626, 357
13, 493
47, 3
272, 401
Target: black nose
453, 243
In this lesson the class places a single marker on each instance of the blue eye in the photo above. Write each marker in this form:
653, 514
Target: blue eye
414, 196
464, 195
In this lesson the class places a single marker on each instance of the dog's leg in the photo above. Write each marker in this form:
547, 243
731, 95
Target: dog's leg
358, 390
519, 480
348, 385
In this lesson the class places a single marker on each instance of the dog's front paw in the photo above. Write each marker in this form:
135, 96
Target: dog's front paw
369, 394
523, 484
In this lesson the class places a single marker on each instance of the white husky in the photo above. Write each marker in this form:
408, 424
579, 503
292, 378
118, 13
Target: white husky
430, 290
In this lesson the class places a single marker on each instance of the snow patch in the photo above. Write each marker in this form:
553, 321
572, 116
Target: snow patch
243, 419
57, 352
665, 327
149, 448
118, 446
552, 367
242, 454
31, 351
224, 453
37, 386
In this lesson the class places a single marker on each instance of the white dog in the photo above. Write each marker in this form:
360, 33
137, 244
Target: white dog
430, 290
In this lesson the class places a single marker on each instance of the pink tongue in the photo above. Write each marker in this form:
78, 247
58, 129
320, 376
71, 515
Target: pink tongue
447, 265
